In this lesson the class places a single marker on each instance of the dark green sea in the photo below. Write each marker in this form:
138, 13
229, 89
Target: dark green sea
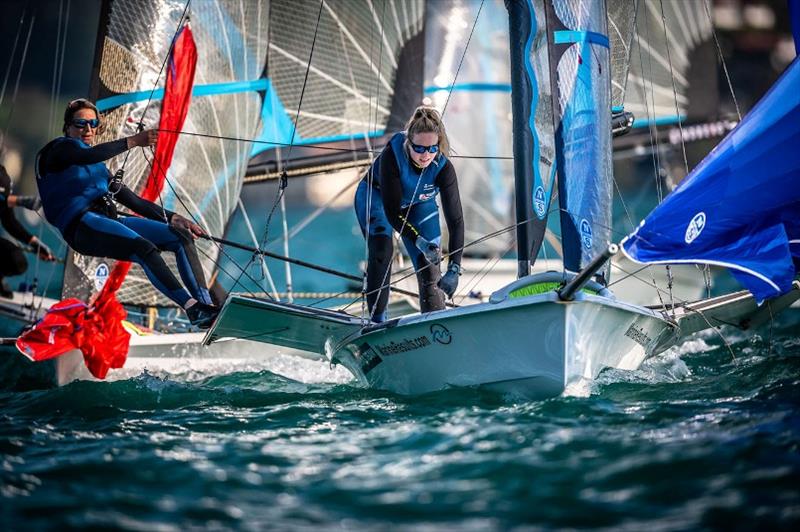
705, 436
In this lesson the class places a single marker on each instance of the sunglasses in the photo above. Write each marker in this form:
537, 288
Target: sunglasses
81, 123
422, 149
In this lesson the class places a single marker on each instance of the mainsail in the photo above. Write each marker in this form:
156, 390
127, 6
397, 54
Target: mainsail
740, 207
357, 80
580, 73
473, 81
663, 67
206, 173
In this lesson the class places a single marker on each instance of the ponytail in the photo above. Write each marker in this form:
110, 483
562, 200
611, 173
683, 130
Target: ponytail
428, 120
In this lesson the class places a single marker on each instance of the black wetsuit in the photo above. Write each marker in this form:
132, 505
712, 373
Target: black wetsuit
387, 212
12, 258
97, 230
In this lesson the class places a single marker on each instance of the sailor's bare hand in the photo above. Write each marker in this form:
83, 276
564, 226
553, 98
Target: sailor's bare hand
179, 222
42, 250
147, 137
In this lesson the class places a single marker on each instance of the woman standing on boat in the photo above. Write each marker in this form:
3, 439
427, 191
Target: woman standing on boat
399, 193
77, 198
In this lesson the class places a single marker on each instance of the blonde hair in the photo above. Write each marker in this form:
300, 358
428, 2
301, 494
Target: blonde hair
428, 120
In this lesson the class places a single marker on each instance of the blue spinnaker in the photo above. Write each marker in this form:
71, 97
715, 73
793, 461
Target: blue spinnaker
740, 207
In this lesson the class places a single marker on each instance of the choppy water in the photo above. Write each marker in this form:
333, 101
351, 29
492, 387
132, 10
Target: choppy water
694, 439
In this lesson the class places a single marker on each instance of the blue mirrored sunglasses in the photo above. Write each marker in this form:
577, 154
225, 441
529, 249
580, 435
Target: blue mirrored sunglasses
422, 149
81, 123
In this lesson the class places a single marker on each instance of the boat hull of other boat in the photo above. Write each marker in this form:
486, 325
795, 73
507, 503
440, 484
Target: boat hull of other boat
21, 310
531, 346
155, 353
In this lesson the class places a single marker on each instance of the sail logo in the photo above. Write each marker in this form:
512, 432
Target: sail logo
695, 227
100, 276
586, 234
440, 334
539, 202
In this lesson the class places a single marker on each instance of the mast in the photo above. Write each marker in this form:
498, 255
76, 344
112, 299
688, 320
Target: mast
532, 131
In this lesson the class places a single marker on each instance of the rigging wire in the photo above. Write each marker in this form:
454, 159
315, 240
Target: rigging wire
56, 50
139, 125
284, 179
195, 220
674, 88
16, 84
365, 314
319, 146
652, 127
722, 60
11, 56
461, 62
705, 268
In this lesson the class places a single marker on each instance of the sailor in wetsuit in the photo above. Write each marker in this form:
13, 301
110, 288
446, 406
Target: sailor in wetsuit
12, 258
74, 185
399, 193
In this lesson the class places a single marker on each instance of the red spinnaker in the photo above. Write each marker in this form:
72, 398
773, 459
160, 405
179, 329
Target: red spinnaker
97, 330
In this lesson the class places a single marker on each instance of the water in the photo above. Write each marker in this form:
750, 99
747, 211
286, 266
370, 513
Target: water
694, 439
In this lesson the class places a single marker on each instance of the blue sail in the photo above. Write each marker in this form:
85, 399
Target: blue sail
740, 207
579, 62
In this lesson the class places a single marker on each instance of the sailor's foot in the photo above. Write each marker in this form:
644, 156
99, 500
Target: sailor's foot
5, 291
201, 315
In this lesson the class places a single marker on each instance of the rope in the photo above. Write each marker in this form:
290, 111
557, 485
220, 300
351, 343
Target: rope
722, 60
461, 62
320, 146
16, 84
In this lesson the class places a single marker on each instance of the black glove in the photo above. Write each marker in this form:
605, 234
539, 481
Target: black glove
449, 282
429, 249
29, 202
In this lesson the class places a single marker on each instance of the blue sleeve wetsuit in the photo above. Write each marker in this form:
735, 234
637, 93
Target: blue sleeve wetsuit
73, 184
401, 197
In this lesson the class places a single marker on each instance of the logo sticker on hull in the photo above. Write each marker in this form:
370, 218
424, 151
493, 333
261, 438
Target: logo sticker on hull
368, 358
638, 335
404, 345
440, 334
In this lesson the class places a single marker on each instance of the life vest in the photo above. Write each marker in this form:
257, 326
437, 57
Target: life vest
411, 181
70, 192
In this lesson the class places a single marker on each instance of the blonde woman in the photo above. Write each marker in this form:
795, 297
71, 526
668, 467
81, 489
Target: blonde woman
399, 193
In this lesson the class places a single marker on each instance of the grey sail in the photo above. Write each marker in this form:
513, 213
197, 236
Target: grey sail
205, 178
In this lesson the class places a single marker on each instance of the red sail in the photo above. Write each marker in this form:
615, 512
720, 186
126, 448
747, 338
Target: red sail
97, 330
174, 108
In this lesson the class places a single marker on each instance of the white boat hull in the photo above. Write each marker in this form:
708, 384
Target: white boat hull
534, 346
178, 353
156, 353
